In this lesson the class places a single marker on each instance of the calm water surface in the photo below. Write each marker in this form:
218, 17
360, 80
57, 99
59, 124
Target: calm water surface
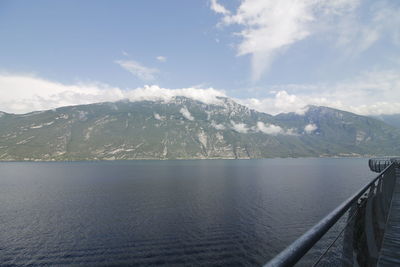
188, 213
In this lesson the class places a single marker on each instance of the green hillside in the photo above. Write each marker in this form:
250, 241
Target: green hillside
188, 129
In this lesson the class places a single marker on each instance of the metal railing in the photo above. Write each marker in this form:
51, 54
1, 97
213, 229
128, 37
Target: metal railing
379, 164
379, 191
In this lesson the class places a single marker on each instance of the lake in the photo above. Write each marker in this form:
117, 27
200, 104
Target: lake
172, 213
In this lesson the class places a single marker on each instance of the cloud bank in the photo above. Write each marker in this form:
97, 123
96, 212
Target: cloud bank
26, 93
370, 93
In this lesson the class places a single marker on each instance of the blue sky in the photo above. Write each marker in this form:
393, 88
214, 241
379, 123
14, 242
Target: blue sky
274, 56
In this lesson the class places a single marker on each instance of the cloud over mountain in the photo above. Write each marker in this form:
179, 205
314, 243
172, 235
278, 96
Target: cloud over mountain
25, 93
371, 93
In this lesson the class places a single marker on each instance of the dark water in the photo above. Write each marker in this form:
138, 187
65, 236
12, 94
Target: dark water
189, 213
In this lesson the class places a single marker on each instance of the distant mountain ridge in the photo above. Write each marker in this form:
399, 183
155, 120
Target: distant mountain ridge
393, 119
184, 128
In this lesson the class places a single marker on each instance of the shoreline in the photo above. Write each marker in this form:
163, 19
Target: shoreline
195, 159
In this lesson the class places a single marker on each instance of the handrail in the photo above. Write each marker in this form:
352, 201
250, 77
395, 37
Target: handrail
379, 164
294, 252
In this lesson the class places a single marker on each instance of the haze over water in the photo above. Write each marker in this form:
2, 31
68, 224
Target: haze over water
189, 213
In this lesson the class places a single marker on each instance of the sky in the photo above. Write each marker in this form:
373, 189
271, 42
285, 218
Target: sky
272, 56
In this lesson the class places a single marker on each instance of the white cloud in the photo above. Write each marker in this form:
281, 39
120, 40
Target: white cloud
309, 128
356, 36
154, 92
185, 112
270, 26
273, 129
158, 117
26, 93
281, 102
291, 131
161, 58
239, 127
269, 128
370, 93
217, 126
137, 69
217, 8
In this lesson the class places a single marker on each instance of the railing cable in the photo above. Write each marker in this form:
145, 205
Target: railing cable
333, 242
294, 252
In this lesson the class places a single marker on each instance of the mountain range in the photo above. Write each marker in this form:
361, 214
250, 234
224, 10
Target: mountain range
392, 119
184, 128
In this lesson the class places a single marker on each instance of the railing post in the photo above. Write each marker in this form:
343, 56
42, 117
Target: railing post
379, 206
369, 225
